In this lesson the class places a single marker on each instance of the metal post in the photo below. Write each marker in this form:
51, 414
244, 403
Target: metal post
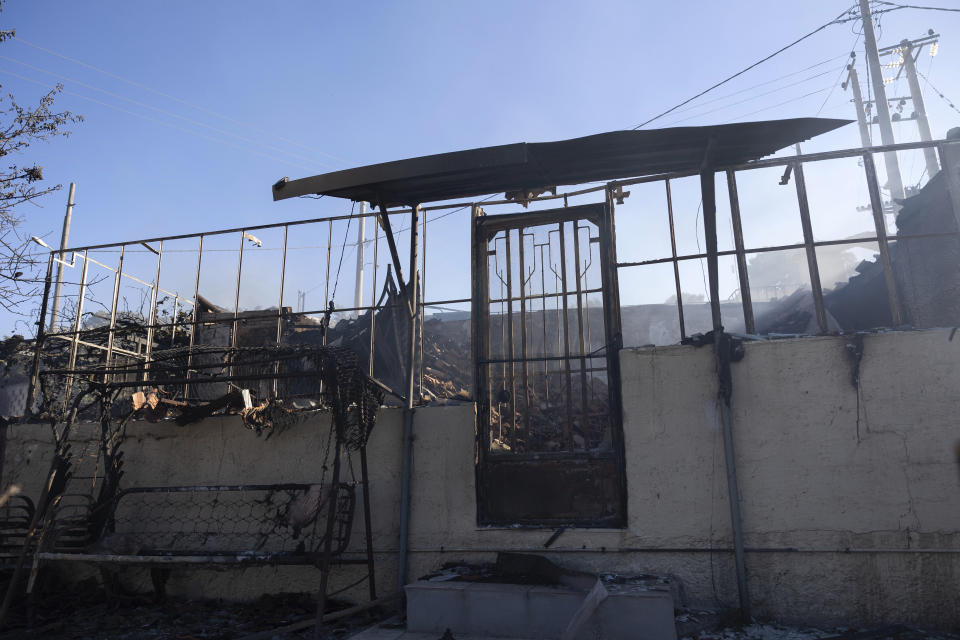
407, 469
283, 278
113, 311
367, 525
708, 193
814, 269
64, 236
361, 239
373, 296
77, 326
35, 372
193, 316
919, 110
896, 313
746, 298
854, 83
894, 181
676, 265
152, 316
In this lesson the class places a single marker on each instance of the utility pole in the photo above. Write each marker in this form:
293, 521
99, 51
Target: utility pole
853, 81
361, 238
894, 180
64, 237
920, 112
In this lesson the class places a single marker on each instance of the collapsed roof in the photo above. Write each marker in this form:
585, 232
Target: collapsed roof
525, 166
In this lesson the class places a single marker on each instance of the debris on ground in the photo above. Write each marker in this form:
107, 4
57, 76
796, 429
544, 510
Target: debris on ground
71, 616
759, 631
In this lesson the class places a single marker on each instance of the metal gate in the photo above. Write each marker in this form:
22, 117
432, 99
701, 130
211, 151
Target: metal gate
547, 337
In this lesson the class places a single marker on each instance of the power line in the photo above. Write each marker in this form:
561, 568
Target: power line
938, 92
336, 281
780, 104
839, 75
161, 122
743, 71
761, 84
171, 97
913, 6
759, 95
163, 111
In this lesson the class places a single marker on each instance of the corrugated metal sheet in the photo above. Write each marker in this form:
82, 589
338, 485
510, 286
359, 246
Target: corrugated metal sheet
521, 166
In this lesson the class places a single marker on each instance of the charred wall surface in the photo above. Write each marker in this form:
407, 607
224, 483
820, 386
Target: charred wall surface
851, 494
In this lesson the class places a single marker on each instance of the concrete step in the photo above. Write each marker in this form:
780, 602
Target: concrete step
536, 612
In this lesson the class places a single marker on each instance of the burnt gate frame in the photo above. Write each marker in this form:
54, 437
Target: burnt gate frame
547, 488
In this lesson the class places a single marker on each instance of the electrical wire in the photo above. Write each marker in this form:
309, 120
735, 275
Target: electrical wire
758, 85
171, 97
914, 6
839, 75
336, 280
785, 102
743, 71
165, 112
161, 122
938, 92
759, 95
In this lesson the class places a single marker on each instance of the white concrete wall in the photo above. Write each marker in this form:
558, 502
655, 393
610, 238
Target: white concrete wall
813, 478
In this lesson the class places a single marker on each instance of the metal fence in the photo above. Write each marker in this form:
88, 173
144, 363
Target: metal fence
131, 298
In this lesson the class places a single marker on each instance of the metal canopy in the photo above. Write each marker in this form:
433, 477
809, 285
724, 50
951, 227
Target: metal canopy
528, 166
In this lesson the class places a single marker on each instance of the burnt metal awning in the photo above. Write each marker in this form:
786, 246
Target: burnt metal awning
526, 166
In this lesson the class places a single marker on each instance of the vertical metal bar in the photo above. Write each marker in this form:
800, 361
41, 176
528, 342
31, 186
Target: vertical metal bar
373, 296
113, 311
173, 329
746, 298
41, 323
815, 288
581, 343
543, 322
236, 297
733, 489
152, 319
407, 460
709, 200
876, 206
423, 294
586, 284
568, 425
367, 525
708, 192
503, 337
77, 326
510, 346
676, 265
193, 314
332, 504
613, 339
326, 286
524, 370
236, 314
283, 277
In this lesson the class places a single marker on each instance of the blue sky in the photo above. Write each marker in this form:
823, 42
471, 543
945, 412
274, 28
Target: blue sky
224, 98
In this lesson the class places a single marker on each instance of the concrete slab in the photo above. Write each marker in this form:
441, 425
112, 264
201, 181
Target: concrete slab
522, 611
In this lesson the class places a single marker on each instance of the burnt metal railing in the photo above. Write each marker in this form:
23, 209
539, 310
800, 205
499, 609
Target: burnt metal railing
133, 337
